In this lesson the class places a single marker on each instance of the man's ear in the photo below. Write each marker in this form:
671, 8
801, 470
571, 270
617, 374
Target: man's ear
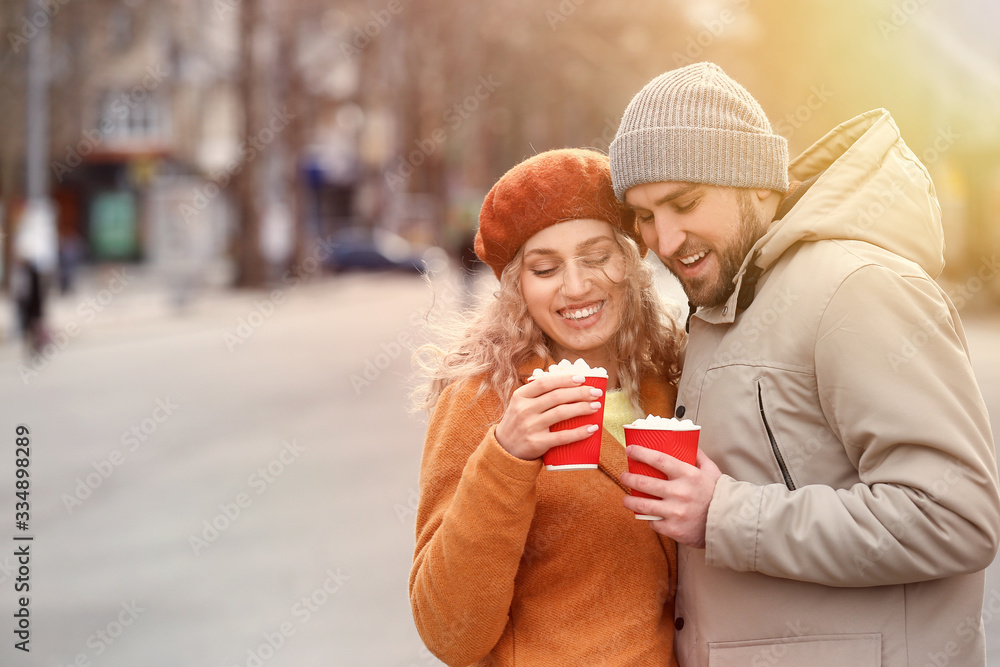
763, 194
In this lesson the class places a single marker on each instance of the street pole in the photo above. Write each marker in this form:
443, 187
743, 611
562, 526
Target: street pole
35, 237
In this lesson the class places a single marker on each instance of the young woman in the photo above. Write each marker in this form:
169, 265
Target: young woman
515, 564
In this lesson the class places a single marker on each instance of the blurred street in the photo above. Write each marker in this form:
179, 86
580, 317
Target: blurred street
326, 476
223, 467
234, 483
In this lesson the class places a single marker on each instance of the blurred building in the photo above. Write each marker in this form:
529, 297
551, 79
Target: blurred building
150, 131
152, 89
206, 138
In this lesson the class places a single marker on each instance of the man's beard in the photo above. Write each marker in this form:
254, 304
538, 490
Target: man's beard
706, 293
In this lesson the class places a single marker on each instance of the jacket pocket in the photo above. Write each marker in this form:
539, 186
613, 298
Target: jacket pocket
782, 466
856, 650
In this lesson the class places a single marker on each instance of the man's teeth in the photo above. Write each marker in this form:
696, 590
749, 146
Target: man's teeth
580, 314
687, 261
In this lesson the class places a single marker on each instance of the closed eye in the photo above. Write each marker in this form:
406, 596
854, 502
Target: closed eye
684, 208
597, 260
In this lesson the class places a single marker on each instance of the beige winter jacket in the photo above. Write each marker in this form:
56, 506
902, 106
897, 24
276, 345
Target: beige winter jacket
859, 504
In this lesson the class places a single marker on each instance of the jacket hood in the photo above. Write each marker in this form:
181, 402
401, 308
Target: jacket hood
868, 186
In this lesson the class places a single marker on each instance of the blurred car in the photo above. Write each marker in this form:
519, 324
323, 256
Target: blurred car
374, 249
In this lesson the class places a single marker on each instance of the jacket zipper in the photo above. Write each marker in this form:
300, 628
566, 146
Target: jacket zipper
774, 445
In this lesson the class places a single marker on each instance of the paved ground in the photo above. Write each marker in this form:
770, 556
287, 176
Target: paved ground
321, 475
233, 484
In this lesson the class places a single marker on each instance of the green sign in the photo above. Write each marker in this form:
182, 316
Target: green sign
113, 226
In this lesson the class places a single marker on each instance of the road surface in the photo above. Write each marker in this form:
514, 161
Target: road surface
234, 484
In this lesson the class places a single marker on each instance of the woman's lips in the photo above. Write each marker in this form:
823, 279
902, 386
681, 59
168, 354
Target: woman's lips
582, 315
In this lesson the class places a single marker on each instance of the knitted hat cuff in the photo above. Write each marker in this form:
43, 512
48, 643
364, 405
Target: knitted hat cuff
696, 124
699, 155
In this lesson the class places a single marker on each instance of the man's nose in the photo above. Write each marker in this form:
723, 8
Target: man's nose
669, 237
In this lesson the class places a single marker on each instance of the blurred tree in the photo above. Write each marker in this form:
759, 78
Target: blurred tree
293, 93
251, 271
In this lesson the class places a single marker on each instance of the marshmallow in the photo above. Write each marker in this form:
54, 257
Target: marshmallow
664, 424
578, 367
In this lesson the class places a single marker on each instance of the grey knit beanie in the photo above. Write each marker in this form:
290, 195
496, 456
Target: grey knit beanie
697, 125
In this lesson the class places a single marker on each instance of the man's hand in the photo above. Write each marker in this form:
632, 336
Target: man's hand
686, 494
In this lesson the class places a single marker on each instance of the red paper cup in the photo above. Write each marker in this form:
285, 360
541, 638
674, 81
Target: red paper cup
583, 454
681, 445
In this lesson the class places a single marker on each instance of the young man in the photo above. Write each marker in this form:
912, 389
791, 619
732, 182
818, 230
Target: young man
845, 502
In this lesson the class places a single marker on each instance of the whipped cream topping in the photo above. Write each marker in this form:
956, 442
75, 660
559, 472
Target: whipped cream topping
565, 367
664, 424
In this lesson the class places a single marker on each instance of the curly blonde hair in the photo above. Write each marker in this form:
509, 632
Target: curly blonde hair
490, 345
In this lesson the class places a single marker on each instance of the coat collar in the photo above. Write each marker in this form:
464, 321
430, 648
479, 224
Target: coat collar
751, 273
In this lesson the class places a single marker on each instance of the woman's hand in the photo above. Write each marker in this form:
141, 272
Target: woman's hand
534, 407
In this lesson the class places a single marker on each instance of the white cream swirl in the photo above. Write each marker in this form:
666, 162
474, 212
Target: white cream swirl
664, 424
565, 367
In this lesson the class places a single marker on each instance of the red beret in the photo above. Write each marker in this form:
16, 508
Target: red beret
548, 188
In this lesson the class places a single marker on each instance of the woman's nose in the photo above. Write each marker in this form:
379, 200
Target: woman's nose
575, 278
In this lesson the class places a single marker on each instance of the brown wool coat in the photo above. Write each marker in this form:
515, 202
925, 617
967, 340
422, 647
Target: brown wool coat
517, 565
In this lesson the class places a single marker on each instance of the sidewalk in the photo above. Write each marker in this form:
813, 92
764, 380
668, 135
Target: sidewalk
104, 295
109, 298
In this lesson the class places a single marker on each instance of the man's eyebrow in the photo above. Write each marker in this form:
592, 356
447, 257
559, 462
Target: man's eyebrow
685, 189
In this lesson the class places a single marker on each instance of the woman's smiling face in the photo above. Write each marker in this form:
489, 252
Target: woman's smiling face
572, 280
